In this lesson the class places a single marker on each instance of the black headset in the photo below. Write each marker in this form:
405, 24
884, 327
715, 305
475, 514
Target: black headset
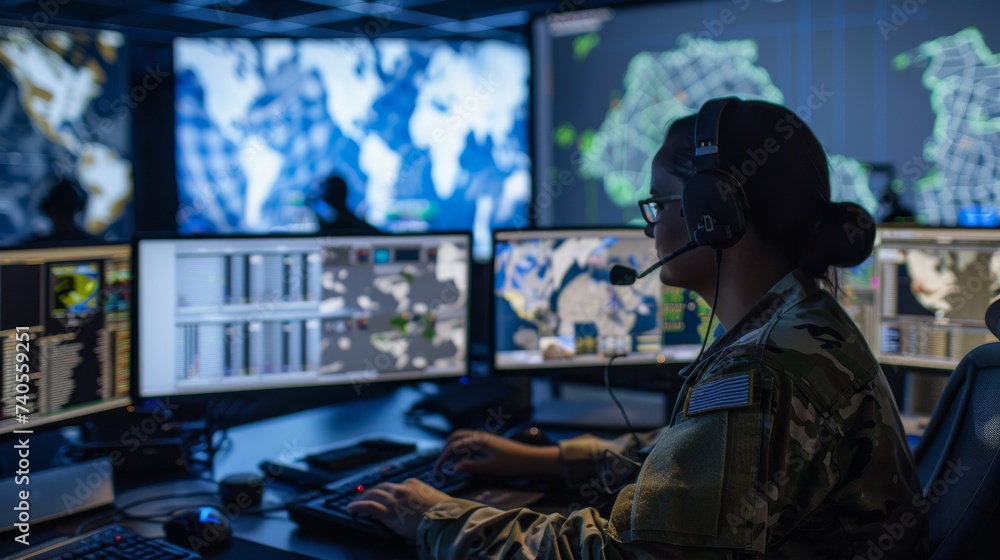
714, 204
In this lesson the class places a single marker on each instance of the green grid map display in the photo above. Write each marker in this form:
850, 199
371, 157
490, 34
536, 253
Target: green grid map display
904, 102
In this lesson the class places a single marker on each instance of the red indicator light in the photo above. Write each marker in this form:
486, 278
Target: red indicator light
360, 488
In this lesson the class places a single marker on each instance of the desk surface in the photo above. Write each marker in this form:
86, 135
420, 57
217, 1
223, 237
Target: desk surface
283, 439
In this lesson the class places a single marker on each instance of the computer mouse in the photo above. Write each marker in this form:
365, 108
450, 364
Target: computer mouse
199, 528
532, 435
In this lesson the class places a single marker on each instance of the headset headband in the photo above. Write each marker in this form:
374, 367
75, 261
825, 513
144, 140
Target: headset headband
706, 133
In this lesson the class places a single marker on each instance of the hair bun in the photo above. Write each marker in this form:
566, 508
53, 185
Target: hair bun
844, 237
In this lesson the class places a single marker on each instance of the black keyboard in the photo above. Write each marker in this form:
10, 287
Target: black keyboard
114, 543
318, 513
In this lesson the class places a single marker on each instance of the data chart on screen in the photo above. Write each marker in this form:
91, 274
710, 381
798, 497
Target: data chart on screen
254, 313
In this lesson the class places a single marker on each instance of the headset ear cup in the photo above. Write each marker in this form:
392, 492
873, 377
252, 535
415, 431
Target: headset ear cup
715, 209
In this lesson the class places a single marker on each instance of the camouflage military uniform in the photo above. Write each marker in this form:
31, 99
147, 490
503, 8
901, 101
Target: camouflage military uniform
786, 443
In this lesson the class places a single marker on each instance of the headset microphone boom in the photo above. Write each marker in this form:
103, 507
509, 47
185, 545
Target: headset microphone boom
625, 276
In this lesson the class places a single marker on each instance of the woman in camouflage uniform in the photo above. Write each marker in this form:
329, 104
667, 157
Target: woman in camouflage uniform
786, 441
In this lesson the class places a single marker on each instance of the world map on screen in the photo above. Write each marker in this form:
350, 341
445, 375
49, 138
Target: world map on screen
64, 114
428, 135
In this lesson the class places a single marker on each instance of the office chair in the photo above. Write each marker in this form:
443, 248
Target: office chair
958, 460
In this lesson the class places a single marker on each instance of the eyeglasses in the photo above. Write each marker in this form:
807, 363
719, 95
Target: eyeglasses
651, 207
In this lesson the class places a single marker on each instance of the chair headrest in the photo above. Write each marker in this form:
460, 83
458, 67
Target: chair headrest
993, 318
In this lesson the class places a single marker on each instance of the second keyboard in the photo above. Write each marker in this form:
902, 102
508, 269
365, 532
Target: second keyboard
330, 508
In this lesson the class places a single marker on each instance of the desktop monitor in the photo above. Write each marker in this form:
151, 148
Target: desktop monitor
555, 308
429, 135
907, 86
221, 315
66, 333
934, 286
856, 288
67, 111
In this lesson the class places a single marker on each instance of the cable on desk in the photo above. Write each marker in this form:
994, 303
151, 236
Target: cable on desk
249, 510
104, 518
278, 507
152, 499
120, 512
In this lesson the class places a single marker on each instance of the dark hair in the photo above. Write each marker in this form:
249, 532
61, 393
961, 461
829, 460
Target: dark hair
785, 175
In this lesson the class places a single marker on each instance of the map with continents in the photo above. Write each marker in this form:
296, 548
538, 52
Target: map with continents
962, 184
64, 114
394, 316
559, 287
661, 87
428, 135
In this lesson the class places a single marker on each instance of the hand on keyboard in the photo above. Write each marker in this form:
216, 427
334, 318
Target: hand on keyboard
477, 452
331, 508
400, 507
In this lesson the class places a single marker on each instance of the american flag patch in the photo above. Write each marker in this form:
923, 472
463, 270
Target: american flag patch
730, 391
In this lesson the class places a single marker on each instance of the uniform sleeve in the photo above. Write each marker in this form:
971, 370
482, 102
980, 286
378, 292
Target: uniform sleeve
698, 486
839, 480
800, 466
698, 494
587, 458
461, 529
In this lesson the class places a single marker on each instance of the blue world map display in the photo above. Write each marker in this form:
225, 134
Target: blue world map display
428, 135
66, 116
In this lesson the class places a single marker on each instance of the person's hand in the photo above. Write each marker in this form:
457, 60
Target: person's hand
477, 452
400, 507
